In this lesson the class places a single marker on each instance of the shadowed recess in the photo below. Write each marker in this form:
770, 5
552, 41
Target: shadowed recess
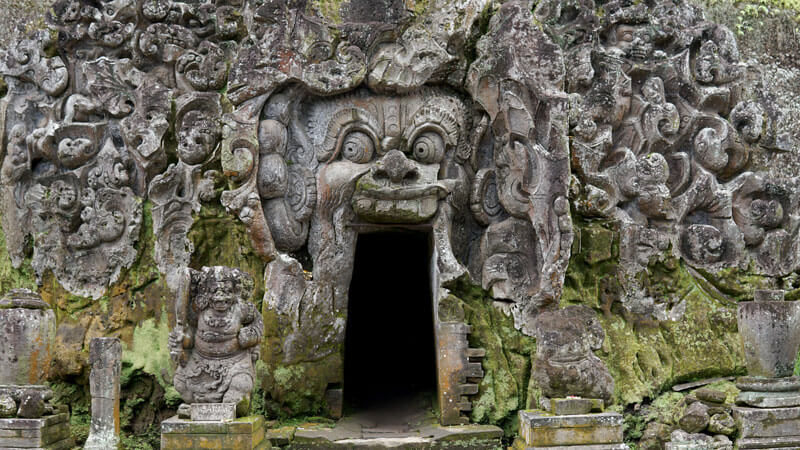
389, 353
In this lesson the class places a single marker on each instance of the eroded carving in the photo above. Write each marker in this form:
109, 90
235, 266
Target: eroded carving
215, 341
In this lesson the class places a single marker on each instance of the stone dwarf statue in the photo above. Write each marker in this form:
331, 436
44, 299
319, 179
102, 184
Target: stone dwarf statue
565, 363
216, 337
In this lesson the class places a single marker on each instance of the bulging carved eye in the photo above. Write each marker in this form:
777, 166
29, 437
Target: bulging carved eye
358, 147
428, 147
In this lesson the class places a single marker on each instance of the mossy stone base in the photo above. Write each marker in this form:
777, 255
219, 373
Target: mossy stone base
47, 433
246, 433
540, 429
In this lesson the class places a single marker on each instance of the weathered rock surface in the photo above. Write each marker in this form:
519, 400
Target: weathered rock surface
128, 126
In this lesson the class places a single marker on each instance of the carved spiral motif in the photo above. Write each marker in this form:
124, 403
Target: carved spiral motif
302, 195
428, 147
484, 202
358, 147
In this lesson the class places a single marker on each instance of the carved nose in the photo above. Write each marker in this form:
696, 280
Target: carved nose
396, 167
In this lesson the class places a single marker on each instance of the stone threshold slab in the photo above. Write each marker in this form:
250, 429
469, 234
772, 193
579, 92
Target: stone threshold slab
244, 425
584, 447
33, 424
784, 442
65, 444
429, 437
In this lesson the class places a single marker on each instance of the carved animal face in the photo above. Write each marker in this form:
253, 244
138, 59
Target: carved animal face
396, 151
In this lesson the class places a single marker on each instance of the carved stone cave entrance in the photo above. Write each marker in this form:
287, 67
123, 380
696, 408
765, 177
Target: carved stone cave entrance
390, 345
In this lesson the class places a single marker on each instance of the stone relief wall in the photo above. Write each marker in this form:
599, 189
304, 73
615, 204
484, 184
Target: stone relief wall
496, 123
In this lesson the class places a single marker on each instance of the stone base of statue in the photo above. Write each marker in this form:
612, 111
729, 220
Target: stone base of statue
768, 412
540, 429
246, 433
50, 432
768, 427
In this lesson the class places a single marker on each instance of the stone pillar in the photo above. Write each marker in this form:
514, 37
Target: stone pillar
27, 335
105, 355
768, 411
28, 419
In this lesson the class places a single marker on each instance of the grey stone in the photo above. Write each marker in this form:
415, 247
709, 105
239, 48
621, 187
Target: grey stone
722, 423
216, 338
564, 363
762, 384
695, 418
654, 436
710, 395
770, 333
31, 404
105, 355
542, 429
8, 407
213, 412
571, 406
681, 440
767, 423
789, 442
28, 339
768, 295
768, 399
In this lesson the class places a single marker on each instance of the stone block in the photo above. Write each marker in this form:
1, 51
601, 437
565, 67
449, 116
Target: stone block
213, 412
791, 442
244, 433
542, 429
767, 423
761, 384
768, 399
583, 447
105, 355
28, 337
572, 406
46, 433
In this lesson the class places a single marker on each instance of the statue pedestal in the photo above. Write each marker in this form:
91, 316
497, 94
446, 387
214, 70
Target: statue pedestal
543, 430
246, 433
45, 433
768, 412
768, 427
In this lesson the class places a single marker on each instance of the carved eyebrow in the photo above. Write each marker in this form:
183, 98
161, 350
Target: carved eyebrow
341, 123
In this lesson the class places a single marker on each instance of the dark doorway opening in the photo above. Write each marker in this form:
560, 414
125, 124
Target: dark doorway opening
389, 345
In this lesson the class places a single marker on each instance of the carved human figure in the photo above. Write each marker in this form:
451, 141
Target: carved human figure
564, 363
215, 341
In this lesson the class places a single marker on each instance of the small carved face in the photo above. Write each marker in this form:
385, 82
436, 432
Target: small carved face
703, 243
224, 296
635, 41
65, 194
197, 137
653, 90
767, 213
708, 150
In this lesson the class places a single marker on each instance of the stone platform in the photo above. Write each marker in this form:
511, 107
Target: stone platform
543, 430
768, 428
246, 433
46, 433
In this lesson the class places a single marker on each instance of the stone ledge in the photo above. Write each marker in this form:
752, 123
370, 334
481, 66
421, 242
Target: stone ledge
769, 443
246, 433
584, 447
542, 429
65, 444
767, 423
33, 424
243, 425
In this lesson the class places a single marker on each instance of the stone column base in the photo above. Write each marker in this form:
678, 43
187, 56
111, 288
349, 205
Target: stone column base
246, 433
543, 430
768, 428
46, 433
